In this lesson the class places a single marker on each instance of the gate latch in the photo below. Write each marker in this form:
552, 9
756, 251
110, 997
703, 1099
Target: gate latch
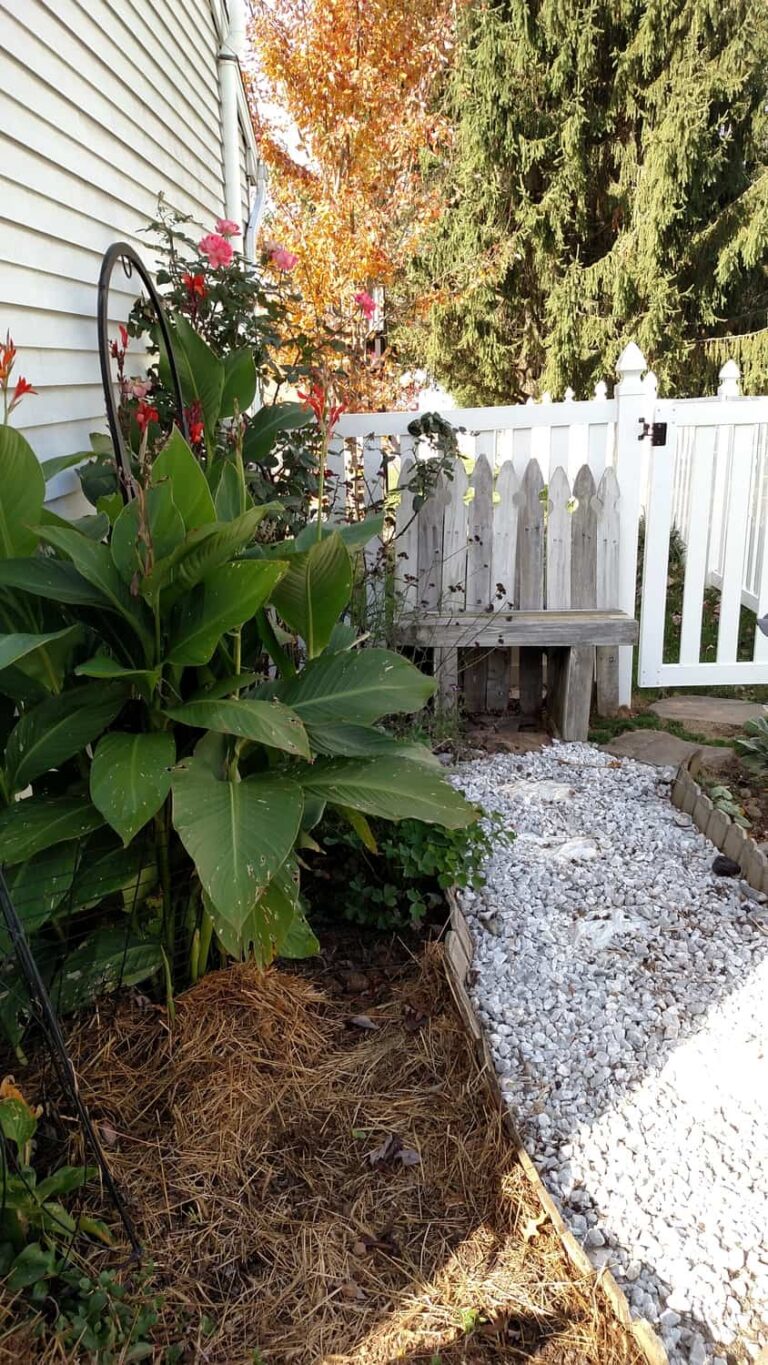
656, 430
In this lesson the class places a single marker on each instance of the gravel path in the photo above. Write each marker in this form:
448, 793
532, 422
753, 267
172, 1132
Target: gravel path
624, 989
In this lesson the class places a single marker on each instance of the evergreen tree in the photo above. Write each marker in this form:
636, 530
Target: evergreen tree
608, 180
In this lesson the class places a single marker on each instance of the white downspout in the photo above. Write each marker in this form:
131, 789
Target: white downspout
230, 52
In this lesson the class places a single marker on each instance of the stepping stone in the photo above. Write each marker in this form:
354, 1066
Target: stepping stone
663, 750
708, 715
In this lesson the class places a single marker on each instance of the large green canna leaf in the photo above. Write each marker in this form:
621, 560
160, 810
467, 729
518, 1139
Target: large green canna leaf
355, 535
201, 372
39, 885
94, 562
39, 822
358, 687
232, 498
22, 491
109, 958
392, 788
363, 741
130, 779
59, 463
105, 868
267, 924
59, 728
314, 592
237, 834
53, 579
38, 652
267, 424
228, 596
264, 722
204, 550
104, 666
239, 382
131, 554
177, 464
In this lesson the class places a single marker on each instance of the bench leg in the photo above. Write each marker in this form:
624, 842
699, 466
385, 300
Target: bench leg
446, 667
569, 698
474, 682
607, 680
531, 682
499, 671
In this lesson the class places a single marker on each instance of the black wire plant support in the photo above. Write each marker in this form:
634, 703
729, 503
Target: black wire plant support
41, 1007
131, 261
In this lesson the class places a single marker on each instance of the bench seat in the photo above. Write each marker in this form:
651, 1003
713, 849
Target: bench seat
569, 639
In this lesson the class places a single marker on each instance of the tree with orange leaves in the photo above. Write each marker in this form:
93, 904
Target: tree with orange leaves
353, 82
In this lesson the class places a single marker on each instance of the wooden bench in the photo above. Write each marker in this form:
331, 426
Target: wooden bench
568, 638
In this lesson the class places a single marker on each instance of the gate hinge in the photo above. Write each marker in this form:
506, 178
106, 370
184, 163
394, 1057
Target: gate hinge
656, 430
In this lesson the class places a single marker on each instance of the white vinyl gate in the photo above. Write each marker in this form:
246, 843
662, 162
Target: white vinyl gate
709, 480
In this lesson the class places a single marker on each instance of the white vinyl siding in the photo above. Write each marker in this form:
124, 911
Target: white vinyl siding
103, 105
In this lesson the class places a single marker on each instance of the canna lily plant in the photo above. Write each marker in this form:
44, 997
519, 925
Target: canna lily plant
180, 700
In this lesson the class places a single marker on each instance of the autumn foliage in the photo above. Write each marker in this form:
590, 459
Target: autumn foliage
344, 97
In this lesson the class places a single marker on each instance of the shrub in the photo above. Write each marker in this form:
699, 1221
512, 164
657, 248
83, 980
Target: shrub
394, 875
144, 735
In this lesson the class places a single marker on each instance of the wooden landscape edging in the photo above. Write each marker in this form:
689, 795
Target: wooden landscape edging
458, 958
718, 827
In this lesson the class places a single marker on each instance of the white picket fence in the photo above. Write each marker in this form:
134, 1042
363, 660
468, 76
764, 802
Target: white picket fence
709, 478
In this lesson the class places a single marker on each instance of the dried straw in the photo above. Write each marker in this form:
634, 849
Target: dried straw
242, 1142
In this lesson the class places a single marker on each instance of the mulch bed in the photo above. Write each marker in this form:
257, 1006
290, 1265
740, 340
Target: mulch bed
320, 1174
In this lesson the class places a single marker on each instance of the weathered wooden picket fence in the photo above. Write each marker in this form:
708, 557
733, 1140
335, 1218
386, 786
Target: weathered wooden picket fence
698, 464
490, 564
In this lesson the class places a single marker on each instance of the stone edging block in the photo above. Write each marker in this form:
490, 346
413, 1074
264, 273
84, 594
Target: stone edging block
458, 959
730, 838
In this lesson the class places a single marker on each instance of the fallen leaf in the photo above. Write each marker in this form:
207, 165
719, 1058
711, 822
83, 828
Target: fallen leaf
387, 1151
409, 1157
362, 1021
351, 1290
391, 1150
108, 1134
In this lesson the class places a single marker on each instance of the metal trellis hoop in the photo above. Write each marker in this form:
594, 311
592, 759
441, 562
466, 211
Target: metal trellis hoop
121, 251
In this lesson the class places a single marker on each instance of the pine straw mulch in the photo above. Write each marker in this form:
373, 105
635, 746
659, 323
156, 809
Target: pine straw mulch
242, 1140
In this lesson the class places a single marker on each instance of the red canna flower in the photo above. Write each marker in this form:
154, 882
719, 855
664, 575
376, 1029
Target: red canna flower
22, 386
145, 414
195, 285
7, 357
195, 425
326, 412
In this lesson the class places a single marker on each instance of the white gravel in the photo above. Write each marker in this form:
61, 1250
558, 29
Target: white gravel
624, 990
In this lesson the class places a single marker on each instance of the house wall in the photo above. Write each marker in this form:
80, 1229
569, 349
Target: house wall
103, 105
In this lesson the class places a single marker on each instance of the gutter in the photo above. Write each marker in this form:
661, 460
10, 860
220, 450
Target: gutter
230, 86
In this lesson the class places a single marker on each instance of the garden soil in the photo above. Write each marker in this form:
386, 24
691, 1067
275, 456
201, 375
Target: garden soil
320, 1176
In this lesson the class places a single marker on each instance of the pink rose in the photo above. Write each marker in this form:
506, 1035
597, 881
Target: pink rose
366, 304
282, 259
218, 250
227, 228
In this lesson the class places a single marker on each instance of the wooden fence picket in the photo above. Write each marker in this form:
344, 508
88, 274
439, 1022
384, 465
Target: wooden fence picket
455, 531
406, 546
559, 542
607, 588
530, 552
479, 550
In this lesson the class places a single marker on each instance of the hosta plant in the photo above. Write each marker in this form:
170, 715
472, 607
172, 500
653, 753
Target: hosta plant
180, 701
